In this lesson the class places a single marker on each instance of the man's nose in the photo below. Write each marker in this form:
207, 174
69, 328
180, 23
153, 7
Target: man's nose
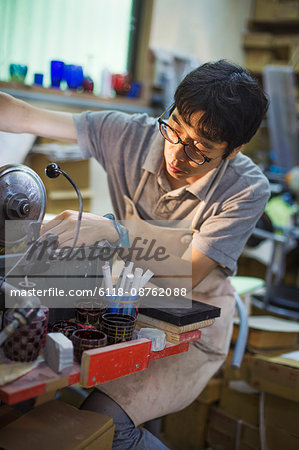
178, 152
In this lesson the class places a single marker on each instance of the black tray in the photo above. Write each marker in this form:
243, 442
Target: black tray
183, 316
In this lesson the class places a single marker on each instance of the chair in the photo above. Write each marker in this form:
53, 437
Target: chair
242, 335
279, 298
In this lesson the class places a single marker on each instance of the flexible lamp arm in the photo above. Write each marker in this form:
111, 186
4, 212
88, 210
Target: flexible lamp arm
53, 171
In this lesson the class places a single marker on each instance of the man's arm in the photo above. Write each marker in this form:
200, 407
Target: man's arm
172, 271
17, 116
202, 265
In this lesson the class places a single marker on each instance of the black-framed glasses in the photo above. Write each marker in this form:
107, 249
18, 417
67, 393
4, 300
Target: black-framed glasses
191, 150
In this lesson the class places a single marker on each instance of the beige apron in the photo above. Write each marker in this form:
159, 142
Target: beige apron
172, 383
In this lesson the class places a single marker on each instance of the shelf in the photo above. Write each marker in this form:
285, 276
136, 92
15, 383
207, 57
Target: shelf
259, 73
97, 366
288, 26
70, 98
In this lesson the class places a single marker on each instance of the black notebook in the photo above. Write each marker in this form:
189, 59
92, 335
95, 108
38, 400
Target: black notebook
197, 312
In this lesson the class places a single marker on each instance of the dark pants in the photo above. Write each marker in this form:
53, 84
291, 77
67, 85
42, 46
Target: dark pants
126, 435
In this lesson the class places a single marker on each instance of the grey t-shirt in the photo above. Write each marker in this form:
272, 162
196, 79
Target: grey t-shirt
126, 145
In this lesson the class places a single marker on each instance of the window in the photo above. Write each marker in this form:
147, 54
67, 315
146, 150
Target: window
92, 33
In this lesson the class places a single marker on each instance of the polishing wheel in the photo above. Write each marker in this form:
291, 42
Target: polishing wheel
22, 198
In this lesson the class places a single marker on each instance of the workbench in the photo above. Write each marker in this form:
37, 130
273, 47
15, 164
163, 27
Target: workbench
97, 366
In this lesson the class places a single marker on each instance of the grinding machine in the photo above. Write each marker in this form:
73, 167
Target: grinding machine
22, 210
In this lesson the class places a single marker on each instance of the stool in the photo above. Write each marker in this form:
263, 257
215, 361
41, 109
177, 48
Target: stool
245, 287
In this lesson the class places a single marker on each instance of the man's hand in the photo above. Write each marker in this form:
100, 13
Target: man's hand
93, 229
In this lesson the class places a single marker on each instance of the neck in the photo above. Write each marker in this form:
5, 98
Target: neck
175, 184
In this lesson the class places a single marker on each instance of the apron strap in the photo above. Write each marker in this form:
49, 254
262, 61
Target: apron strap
140, 186
201, 206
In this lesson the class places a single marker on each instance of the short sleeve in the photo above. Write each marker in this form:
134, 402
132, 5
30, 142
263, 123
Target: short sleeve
100, 134
223, 235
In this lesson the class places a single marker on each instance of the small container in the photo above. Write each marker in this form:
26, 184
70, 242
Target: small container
89, 312
57, 72
65, 327
27, 286
118, 327
18, 72
38, 79
46, 312
123, 305
73, 75
86, 339
25, 344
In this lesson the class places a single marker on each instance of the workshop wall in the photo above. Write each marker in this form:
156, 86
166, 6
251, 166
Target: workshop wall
205, 29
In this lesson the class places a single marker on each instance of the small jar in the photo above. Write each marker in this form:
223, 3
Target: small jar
65, 327
89, 312
118, 327
86, 339
25, 344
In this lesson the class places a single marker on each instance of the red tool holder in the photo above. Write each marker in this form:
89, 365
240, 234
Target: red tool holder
97, 366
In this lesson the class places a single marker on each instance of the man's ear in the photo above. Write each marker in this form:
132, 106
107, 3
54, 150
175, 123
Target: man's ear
235, 152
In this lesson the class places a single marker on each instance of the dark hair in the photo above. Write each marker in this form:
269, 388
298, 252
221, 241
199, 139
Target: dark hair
233, 102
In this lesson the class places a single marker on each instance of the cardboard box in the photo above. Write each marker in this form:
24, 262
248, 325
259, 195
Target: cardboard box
186, 429
286, 40
287, 11
279, 413
276, 10
211, 393
278, 438
7, 415
266, 10
56, 425
237, 374
78, 170
258, 40
282, 413
58, 201
60, 194
257, 58
241, 402
276, 375
228, 433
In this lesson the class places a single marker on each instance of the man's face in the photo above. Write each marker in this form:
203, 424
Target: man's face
179, 167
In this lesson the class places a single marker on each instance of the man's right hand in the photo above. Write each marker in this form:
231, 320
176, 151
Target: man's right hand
93, 229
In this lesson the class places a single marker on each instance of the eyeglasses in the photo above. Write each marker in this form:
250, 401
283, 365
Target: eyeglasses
190, 149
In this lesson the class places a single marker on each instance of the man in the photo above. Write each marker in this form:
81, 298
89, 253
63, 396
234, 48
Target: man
187, 166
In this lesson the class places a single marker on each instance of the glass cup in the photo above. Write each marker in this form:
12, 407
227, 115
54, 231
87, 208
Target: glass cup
18, 72
73, 75
87, 339
118, 327
38, 79
57, 73
89, 312
25, 344
123, 305
65, 327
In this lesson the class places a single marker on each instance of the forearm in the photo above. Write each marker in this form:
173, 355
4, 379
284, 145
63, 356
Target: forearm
17, 116
170, 270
